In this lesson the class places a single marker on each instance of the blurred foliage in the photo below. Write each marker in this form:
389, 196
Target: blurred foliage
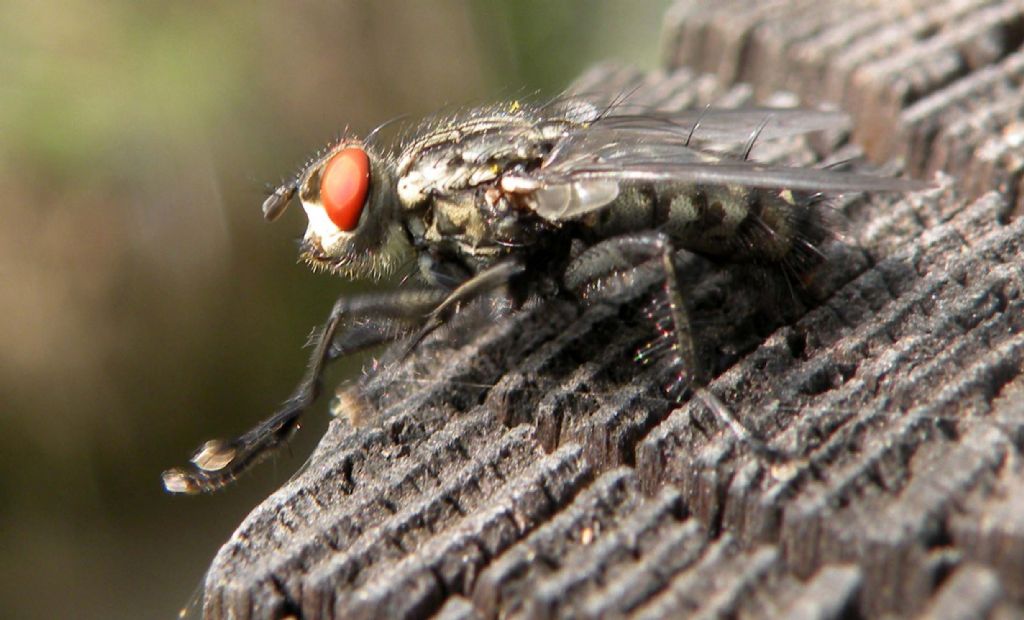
147, 306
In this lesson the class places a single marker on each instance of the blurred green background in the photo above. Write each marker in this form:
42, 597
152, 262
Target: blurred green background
146, 305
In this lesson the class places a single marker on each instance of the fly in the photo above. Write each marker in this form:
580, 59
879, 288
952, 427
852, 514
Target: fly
565, 198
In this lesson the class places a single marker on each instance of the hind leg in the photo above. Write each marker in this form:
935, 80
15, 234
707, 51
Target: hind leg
611, 269
615, 267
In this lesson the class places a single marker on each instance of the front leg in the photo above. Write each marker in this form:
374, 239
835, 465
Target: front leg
354, 324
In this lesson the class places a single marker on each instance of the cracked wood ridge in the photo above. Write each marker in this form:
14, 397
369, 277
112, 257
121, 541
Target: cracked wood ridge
533, 471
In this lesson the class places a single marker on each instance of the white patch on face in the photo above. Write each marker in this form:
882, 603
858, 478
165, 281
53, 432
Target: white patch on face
321, 226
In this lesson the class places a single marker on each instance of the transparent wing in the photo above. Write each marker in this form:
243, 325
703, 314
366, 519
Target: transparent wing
584, 169
699, 126
729, 126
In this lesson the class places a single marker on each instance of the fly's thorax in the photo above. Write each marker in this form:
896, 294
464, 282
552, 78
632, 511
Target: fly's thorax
450, 186
472, 229
468, 154
457, 217
355, 228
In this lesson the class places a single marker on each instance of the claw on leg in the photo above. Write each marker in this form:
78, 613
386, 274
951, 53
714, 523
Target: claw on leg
763, 451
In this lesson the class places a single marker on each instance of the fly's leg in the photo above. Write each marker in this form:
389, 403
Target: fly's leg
616, 266
354, 324
610, 268
765, 452
492, 278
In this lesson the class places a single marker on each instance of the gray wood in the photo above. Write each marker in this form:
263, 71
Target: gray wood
527, 468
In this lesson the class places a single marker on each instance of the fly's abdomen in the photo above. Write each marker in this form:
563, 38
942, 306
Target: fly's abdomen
728, 222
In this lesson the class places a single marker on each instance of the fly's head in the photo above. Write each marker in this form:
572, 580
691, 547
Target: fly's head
348, 194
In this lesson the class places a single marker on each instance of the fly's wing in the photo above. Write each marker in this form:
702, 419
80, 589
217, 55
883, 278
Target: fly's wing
699, 125
724, 127
704, 128
587, 164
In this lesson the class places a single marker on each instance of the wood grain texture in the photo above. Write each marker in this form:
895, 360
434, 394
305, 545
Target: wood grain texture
529, 469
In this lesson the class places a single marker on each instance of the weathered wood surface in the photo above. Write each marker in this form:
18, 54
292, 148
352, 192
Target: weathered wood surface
533, 470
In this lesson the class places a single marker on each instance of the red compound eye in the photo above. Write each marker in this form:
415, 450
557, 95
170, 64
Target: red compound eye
343, 187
